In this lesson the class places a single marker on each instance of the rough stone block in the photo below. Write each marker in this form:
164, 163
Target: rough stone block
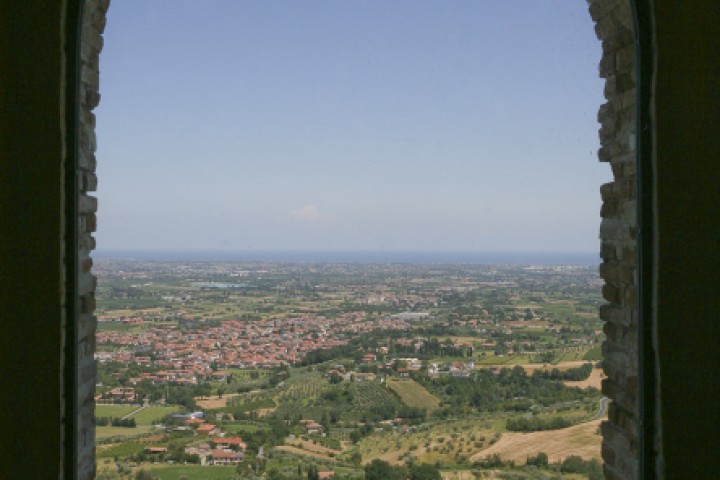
605, 113
611, 293
85, 264
87, 304
625, 59
88, 222
86, 159
613, 229
89, 182
86, 283
92, 100
608, 251
86, 242
616, 314
624, 82
87, 325
90, 76
608, 453
88, 373
609, 209
87, 204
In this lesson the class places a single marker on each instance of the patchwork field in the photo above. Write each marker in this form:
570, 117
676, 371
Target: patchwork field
549, 322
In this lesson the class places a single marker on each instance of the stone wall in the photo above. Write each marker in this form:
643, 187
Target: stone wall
93, 24
618, 229
614, 28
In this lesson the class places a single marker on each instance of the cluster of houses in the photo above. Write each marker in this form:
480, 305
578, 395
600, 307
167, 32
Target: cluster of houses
217, 449
119, 395
186, 358
403, 367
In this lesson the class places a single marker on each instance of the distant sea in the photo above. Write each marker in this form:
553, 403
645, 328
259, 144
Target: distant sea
383, 256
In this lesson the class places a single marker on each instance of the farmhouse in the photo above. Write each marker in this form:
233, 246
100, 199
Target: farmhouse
226, 457
207, 429
313, 428
226, 443
155, 450
123, 394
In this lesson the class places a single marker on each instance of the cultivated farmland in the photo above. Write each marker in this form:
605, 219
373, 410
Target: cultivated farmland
413, 394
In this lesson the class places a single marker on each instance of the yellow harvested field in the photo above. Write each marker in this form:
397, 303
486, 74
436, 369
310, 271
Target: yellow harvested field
458, 475
214, 401
594, 380
582, 440
413, 394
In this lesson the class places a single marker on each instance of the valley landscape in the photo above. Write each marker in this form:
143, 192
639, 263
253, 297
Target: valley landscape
287, 370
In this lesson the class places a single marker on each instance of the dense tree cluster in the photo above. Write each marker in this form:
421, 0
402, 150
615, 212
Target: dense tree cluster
571, 374
536, 424
510, 389
381, 470
115, 422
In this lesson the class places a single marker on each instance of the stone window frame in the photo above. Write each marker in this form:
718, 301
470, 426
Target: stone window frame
627, 359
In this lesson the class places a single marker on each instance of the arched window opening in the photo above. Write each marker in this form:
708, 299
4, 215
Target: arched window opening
310, 212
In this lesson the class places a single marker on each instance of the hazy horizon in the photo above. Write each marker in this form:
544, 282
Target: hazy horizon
358, 256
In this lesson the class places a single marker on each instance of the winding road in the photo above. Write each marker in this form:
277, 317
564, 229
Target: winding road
603, 408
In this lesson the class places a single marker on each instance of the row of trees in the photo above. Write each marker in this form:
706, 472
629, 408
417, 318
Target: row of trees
571, 464
381, 470
536, 424
115, 422
571, 374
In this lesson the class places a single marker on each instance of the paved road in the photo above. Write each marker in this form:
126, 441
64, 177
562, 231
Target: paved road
138, 410
603, 408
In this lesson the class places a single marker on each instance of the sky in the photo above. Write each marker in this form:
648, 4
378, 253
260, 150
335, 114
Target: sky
393, 125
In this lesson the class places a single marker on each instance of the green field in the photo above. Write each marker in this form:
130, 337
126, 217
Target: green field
194, 472
413, 394
109, 431
121, 450
115, 411
242, 427
593, 354
150, 414
370, 393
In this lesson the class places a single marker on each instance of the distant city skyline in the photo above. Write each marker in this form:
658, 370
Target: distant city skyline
349, 126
